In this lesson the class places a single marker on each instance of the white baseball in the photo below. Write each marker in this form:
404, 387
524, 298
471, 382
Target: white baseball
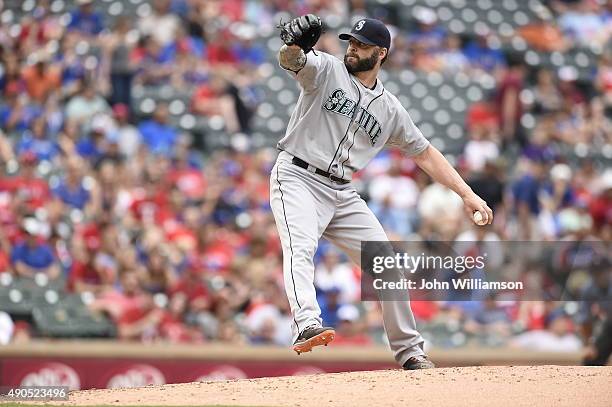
478, 219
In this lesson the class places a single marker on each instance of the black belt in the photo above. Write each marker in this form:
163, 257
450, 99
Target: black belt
306, 166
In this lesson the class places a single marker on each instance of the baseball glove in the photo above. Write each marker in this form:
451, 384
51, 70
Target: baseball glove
302, 31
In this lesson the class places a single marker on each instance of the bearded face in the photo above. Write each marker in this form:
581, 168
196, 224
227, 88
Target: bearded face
354, 63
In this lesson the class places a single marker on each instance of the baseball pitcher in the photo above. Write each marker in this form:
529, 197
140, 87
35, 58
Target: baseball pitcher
343, 118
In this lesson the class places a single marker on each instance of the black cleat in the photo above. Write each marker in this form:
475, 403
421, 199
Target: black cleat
418, 363
313, 336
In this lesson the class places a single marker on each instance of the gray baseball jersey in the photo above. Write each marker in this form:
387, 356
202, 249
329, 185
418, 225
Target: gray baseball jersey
339, 125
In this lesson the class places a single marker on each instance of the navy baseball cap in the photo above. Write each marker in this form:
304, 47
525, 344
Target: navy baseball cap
369, 31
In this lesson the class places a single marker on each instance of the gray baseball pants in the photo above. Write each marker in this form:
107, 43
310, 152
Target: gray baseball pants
308, 206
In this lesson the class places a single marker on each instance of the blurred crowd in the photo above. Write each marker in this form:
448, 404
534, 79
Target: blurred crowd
180, 246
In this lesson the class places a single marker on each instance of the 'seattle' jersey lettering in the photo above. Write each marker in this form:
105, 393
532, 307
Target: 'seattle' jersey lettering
339, 125
339, 103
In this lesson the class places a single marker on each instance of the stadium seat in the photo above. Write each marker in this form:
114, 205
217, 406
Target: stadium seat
18, 296
71, 318
15, 302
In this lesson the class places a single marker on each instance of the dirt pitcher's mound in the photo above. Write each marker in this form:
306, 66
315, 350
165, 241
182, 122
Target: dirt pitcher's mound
466, 386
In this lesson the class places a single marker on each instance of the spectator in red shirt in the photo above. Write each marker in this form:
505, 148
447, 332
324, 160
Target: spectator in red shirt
212, 99
4, 261
219, 51
131, 309
233, 9
28, 188
139, 323
216, 248
508, 100
193, 287
5, 250
150, 203
601, 207
39, 27
189, 180
172, 327
88, 273
482, 115
532, 314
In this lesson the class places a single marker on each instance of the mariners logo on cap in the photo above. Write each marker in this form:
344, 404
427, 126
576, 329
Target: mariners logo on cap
369, 31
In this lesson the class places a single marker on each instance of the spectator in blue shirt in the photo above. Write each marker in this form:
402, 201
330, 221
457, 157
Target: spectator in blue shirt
559, 192
85, 19
428, 33
72, 190
540, 145
248, 51
157, 134
16, 115
91, 148
526, 190
33, 255
73, 67
583, 24
154, 65
330, 304
481, 56
180, 8
182, 43
37, 142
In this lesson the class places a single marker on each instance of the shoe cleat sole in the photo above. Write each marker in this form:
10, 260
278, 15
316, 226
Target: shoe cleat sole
323, 338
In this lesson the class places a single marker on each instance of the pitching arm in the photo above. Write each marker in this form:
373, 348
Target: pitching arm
408, 137
292, 58
309, 69
437, 167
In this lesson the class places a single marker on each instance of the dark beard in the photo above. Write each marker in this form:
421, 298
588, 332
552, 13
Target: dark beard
362, 65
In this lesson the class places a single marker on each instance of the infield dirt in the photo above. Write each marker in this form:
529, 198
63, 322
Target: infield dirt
461, 386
